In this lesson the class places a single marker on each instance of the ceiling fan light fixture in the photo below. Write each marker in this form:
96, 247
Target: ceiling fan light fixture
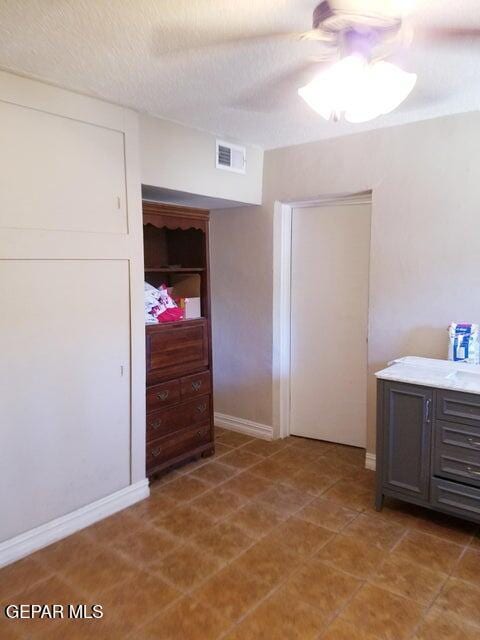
362, 91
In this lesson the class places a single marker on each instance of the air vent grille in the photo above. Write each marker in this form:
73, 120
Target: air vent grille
231, 157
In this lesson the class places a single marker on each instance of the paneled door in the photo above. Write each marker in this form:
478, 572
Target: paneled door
329, 322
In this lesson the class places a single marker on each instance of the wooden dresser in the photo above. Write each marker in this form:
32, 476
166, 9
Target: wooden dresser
179, 373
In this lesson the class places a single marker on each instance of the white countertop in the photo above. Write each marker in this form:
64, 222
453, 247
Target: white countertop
428, 372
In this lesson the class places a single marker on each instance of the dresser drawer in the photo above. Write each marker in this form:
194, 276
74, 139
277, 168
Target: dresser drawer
170, 447
162, 394
458, 407
176, 349
177, 417
196, 385
457, 464
458, 498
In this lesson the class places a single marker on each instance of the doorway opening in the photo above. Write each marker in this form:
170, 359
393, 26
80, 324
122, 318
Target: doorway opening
321, 302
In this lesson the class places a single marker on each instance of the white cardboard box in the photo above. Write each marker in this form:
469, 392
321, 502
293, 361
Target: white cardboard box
192, 308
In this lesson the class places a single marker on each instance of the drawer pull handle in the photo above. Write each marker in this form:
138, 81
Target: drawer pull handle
163, 395
157, 424
474, 443
472, 472
427, 411
196, 385
202, 407
156, 452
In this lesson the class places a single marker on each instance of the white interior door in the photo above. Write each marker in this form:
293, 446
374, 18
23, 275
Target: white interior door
329, 322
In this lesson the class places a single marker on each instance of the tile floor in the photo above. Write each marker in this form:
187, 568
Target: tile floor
265, 541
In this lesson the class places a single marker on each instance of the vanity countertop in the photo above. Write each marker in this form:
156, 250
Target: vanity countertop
442, 374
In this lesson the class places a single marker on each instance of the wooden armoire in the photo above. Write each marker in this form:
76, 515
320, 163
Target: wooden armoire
179, 422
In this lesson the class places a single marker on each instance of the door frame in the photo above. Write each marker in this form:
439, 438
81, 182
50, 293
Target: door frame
282, 291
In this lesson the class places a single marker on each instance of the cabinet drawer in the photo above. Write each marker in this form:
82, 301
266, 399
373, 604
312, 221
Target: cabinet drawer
458, 498
170, 447
162, 394
458, 407
177, 417
457, 464
196, 385
176, 349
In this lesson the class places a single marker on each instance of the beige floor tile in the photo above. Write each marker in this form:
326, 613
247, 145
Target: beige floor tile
351, 455
308, 444
146, 546
461, 599
186, 567
14, 577
279, 618
409, 579
241, 458
443, 526
231, 593
130, 604
183, 522
185, 488
438, 625
284, 499
65, 552
327, 514
342, 630
272, 470
270, 564
382, 614
218, 503
220, 450
233, 439
432, 552
264, 448
301, 536
311, 481
214, 473
247, 485
380, 533
113, 528
352, 555
469, 567
50, 591
186, 620
322, 586
225, 541
83, 630
256, 519
351, 494
153, 507
95, 574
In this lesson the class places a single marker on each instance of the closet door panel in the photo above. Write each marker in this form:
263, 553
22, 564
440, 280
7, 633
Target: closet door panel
57, 173
65, 363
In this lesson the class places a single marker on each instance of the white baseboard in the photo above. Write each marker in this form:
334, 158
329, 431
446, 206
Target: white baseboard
35, 539
247, 427
370, 461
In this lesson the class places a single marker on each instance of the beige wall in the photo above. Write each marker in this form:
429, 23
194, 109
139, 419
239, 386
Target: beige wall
424, 269
181, 158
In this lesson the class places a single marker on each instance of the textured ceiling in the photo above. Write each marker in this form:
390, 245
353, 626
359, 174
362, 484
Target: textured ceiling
190, 61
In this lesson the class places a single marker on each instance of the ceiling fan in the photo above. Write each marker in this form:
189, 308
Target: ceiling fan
361, 84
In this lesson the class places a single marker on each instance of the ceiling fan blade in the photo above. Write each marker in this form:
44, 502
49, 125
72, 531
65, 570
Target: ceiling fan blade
279, 92
448, 34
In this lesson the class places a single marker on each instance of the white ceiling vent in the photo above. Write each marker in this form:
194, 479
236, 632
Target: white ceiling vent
231, 157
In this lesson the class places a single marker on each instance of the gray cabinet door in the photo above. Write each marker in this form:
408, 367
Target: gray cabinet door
407, 438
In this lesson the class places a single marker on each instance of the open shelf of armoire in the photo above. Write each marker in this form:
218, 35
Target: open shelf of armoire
179, 375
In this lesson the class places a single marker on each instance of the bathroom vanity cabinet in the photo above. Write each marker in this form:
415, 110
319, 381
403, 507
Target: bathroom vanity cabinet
428, 447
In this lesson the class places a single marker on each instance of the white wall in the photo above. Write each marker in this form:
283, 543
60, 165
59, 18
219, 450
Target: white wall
183, 159
424, 269
72, 372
